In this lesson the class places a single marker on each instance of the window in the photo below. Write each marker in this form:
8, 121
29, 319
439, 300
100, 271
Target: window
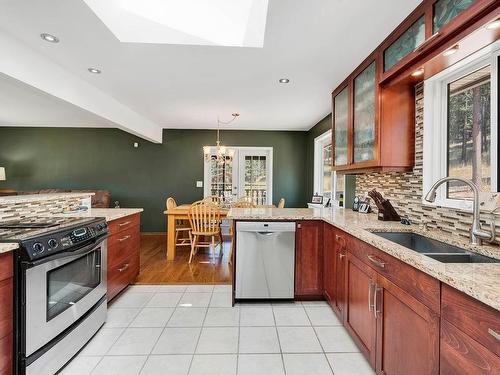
460, 128
323, 154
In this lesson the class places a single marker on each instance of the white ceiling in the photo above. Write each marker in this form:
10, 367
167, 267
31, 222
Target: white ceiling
314, 43
23, 105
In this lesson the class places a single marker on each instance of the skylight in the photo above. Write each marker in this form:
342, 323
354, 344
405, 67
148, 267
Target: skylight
234, 23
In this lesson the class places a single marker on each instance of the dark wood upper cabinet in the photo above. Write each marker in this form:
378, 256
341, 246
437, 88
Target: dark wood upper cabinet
309, 259
377, 133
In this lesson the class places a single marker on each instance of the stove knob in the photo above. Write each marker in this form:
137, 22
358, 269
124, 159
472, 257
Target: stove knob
53, 243
38, 247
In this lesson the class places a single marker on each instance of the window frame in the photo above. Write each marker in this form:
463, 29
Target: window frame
319, 143
435, 132
239, 152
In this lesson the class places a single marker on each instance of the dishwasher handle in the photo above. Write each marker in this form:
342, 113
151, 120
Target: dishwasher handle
268, 234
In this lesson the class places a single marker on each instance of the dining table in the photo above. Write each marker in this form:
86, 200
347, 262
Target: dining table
181, 212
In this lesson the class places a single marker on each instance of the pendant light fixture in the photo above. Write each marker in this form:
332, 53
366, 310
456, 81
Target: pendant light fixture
222, 153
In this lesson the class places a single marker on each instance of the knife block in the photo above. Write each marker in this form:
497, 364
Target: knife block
387, 212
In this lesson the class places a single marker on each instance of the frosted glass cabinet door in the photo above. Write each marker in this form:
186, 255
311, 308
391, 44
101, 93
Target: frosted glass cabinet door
364, 115
340, 121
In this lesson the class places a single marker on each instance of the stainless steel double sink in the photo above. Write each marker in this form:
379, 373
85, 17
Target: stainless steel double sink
437, 250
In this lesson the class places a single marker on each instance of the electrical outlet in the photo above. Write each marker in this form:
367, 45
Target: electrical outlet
489, 201
199, 184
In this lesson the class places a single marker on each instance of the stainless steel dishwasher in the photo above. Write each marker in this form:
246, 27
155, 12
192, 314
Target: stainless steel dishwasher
265, 260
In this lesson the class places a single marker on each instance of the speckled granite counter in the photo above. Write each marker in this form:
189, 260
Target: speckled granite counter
109, 214
479, 280
6, 247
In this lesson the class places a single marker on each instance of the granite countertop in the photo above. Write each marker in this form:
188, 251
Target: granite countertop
26, 198
478, 280
109, 214
6, 247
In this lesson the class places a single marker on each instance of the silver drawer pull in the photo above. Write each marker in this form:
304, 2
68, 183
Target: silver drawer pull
341, 255
493, 333
376, 261
124, 223
123, 268
123, 238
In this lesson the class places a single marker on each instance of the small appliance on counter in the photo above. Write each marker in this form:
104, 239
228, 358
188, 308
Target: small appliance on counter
386, 211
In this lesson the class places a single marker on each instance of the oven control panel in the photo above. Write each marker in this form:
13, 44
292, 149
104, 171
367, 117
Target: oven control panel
63, 239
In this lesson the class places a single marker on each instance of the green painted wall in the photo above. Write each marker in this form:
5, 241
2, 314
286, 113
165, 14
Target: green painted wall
318, 129
82, 158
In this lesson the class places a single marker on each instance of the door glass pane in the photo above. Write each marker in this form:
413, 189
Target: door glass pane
255, 183
71, 282
446, 10
221, 178
405, 44
469, 133
341, 107
327, 170
364, 115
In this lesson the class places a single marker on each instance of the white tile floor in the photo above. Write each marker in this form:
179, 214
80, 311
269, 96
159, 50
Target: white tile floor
181, 330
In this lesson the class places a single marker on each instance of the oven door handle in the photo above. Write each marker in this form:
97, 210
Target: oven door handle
87, 249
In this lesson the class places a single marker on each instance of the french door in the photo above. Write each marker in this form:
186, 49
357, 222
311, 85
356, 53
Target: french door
248, 175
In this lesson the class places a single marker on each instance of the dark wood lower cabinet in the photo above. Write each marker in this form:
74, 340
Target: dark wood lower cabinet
309, 260
340, 270
6, 313
123, 253
329, 264
359, 317
407, 333
462, 355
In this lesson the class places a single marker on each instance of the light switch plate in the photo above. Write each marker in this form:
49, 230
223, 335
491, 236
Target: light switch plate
199, 183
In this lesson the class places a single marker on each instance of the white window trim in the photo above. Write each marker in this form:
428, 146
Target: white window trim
319, 142
264, 151
435, 124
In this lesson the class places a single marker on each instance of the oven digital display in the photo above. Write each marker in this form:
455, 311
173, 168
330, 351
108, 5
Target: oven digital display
80, 232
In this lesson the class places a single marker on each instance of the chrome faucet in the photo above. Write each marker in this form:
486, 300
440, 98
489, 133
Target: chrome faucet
477, 235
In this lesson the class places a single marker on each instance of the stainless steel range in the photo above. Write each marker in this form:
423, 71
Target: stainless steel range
60, 289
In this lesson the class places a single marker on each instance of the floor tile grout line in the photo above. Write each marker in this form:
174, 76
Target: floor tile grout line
279, 343
322, 347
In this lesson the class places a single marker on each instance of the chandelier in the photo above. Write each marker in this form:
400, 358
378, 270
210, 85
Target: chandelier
222, 154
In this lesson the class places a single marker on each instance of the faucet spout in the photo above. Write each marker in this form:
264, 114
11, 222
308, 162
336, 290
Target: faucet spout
477, 234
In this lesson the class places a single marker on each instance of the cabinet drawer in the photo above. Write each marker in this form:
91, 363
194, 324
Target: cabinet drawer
6, 355
6, 307
477, 320
124, 223
6, 266
462, 355
121, 275
122, 244
423, 287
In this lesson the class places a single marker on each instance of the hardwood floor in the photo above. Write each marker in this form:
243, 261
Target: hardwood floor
155, 269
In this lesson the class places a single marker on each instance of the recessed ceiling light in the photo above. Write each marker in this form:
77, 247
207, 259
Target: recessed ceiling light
94, 71
493, 25
451, 50
418, 72
284, 80
49, 38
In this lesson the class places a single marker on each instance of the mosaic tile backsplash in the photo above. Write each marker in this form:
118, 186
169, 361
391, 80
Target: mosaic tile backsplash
22, 210
404, 190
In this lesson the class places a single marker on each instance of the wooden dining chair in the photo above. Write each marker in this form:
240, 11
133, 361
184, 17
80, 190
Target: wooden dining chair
281, 203
213, 199
181, 227
204, 218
